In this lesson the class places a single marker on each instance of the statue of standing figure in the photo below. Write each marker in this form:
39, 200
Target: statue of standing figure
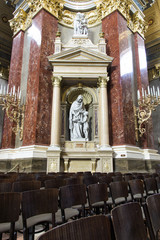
80, 24
78, 121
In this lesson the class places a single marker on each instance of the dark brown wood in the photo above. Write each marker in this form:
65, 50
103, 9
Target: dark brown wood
43, 177
158, 183
25, 177
137, 189
71, 181
98, 196
117, 178
89, 179
119, 192
90, 228
25, 186
153, 204
55, 183
128, 176
150, 186
72, 195
128, 222
10, 210
5, 187
105, 179
38, 202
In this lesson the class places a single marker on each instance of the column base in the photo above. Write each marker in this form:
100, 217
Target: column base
105, 148
54, 148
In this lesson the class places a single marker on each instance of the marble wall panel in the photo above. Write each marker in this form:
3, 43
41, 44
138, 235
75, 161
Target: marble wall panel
39, 89
24, 74
8, 139
3, 83
119, 46
147, 140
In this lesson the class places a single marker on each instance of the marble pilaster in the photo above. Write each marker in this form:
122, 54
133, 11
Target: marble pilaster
119, 46
8, 138
37, 124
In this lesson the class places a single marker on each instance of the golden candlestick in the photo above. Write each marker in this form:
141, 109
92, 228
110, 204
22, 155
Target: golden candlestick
11, 102
148, 100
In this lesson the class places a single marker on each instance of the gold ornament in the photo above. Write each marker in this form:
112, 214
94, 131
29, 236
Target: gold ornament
23, 20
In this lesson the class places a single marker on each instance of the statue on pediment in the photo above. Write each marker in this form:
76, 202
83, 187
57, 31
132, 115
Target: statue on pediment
80, 25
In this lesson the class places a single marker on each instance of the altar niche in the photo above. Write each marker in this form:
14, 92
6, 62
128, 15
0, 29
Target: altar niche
84, 119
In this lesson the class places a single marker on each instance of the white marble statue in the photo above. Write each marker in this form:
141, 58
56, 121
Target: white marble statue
78, 121
80, 24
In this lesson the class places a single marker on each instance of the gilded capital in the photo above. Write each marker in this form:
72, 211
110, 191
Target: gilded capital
23, 20
56, 81
108, 6
102, 81
18, 22
54, 7
135, 20
139, 24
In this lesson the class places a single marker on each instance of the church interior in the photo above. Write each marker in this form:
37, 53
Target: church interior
111, 58
79, 119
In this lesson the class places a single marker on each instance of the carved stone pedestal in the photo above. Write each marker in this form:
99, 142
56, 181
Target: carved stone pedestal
85, 156
106, 160
53, 160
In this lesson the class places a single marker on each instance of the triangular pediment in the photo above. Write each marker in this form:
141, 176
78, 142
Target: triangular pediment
80, 54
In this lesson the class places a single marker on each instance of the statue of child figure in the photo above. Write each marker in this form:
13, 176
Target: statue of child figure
85, 125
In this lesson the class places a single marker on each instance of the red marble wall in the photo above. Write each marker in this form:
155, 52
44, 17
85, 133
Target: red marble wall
147, 140
37, 124
8, 139
119, 46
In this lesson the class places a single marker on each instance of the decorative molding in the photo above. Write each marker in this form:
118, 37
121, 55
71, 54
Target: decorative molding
134, 16
93, 18
4, 73
18, 23
54, 7
154, 72
25, 152
23, 19
87, 98
56, 81
138, 24
108, 6
102, 82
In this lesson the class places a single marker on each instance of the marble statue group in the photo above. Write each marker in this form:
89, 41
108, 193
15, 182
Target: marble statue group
80, 24
78, 121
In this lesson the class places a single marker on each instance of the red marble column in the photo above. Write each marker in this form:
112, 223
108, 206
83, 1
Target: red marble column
119, 46
8, 138
142, 81
37, 124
